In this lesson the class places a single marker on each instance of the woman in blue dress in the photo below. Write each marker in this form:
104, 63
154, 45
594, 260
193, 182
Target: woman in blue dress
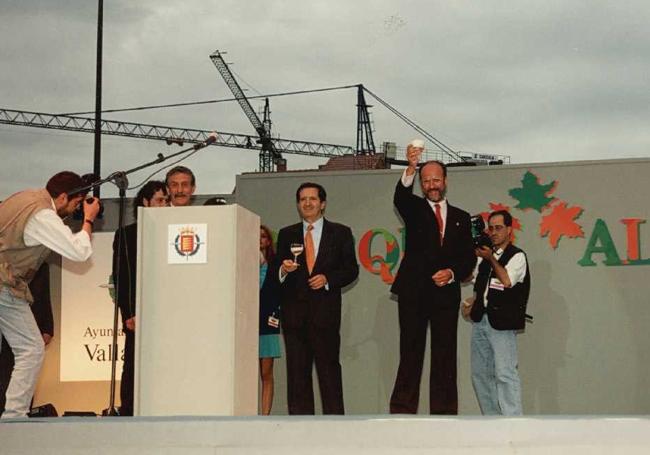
269, 319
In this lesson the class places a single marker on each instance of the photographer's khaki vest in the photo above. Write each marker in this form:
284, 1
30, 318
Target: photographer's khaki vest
19, 262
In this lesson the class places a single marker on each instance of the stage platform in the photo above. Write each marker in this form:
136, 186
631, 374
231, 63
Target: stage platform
321, 435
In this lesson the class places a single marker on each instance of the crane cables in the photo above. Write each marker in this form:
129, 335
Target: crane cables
223, 100
443, 148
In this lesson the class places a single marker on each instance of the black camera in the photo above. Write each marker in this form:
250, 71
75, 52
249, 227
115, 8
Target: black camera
78, 214
479, 237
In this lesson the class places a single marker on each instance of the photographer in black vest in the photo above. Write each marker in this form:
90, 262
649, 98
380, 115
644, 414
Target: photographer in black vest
501, 290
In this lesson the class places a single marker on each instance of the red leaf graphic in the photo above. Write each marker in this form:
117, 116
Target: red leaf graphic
560, 222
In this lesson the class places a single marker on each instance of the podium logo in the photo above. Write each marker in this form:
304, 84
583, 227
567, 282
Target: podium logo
187, 244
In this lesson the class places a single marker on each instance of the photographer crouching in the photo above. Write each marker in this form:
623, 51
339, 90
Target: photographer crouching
31, 225
498, 312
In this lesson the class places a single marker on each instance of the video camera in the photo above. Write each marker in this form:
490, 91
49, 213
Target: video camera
479, 237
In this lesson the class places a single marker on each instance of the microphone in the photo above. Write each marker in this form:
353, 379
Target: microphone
212, 138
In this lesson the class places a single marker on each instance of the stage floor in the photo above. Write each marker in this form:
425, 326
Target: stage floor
320, 435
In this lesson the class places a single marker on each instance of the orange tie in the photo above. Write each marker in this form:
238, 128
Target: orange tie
441, 225
310, 253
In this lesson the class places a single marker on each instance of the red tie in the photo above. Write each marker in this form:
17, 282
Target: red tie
310, 253
441, 225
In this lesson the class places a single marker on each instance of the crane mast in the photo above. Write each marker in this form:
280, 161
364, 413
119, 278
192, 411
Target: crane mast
365, 141
269, 155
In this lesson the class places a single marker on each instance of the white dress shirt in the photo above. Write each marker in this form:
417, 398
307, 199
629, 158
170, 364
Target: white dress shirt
515, 268
45, 227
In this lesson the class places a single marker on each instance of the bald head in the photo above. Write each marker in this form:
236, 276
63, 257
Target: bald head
433, 180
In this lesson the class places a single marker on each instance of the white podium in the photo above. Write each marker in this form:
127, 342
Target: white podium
197, 327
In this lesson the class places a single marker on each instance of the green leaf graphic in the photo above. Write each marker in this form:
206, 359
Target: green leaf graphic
532, 194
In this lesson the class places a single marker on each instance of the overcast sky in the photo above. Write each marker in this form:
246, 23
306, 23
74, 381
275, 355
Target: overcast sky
535, 80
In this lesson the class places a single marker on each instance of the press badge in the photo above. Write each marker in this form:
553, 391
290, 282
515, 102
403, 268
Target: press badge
496, 284
273, 321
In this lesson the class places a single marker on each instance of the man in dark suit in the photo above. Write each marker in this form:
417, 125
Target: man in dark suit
437, 257
311, 301
42, 309
152, 194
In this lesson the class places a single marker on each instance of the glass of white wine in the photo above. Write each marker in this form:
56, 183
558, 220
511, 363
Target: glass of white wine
296, 249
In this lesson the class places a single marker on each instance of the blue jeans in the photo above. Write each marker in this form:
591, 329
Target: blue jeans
18, 327
494, 369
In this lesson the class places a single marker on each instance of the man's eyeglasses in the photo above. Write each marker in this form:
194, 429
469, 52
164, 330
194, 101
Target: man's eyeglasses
496, 228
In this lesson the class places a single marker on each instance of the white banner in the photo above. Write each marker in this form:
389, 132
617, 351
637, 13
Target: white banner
87, 316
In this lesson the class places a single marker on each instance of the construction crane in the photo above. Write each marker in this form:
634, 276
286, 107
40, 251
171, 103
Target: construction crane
171, 134
269, 155
180, 135
365, 141
270, 149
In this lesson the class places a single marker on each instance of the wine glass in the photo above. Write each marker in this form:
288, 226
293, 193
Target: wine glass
296, 249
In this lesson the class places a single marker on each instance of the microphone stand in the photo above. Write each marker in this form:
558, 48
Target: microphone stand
120, 180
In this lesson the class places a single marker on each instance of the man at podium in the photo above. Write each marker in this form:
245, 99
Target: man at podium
316, 260
181, 185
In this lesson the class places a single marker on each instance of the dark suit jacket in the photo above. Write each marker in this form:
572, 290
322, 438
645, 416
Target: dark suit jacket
269, 303
336, 260
125, 282
424, 256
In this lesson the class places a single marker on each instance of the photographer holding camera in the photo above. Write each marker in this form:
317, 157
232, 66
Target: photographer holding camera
501, 290
30, 226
